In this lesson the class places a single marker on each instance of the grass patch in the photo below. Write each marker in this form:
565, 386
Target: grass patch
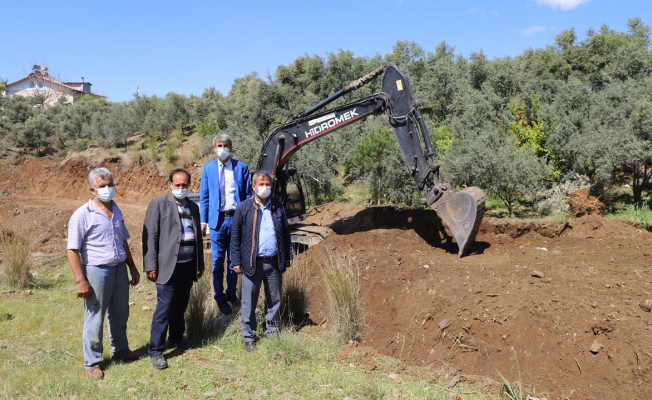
16, 248
341, 277
41, 357
638, 215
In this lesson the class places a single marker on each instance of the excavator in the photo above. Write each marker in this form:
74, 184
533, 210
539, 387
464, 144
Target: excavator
460, 210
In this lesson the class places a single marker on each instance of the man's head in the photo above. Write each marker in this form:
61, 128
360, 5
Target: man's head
262, 184
101, 184
222, 145
179, 183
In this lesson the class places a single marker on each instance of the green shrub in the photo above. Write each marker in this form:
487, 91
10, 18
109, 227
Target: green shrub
341, 277
638, 215
16, 256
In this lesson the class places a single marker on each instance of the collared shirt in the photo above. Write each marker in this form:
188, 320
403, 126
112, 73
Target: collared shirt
187, 245
229, 185
267, 235
100, 240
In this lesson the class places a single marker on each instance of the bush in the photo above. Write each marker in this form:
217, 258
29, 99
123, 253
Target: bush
16, 248
553, 201
341, 277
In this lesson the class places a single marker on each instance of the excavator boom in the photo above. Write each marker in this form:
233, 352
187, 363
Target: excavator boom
461, 211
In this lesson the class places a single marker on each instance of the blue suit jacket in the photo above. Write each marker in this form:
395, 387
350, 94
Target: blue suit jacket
209, 189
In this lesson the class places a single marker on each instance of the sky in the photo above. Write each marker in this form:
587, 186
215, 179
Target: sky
156, 47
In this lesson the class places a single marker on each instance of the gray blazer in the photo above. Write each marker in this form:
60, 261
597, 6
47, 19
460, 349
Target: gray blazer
162, 237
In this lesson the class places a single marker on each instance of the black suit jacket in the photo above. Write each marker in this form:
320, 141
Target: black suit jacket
162, 237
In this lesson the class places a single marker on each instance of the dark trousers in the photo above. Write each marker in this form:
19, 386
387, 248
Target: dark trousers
267, 272
220, 248
172, 301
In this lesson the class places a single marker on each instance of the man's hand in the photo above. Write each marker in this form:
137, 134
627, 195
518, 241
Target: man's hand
237, 269
200, 274
289, 264
152, 275
135, 276
84, 289
203, 230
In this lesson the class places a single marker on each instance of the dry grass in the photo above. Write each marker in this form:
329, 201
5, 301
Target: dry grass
294, 300
341, 277
16, 248
201, 307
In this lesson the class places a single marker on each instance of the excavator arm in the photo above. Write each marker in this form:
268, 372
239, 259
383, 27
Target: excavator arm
461, 211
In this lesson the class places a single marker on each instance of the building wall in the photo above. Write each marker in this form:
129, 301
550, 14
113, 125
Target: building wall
32, 87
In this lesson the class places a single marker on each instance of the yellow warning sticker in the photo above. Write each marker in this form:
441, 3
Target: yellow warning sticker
399, 84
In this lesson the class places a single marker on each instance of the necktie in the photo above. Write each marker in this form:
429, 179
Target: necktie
222, 187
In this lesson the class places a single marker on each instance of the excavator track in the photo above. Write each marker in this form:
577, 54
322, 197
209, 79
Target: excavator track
462, 213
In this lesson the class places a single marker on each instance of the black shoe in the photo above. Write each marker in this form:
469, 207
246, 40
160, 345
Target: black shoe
224, 307
180, 344
234, 300
250, 346
158, 362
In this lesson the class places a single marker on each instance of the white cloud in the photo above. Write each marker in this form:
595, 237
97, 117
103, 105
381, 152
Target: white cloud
533, 30
565, 5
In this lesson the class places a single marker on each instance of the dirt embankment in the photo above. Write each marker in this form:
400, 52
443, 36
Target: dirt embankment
551, 292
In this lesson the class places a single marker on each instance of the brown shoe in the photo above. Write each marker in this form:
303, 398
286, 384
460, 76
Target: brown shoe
95, 373
126, 356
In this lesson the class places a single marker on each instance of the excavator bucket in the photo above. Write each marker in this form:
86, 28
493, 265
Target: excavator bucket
462, 213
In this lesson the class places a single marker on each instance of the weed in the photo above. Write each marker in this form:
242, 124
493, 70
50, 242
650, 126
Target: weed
201, 311
294, 300
510, 389
286, 348
341, 277
16, 248
638, 215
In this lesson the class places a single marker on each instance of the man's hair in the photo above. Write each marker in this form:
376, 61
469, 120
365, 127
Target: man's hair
261, 173
176, 171
101, 173
224, 138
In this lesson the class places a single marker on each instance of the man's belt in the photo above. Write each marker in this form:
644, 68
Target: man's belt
266, 258
228, 213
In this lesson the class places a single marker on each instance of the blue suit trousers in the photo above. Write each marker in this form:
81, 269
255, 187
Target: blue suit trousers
220, 248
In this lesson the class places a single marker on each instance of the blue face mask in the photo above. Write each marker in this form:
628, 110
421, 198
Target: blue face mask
105, 194
223, 153
180, 193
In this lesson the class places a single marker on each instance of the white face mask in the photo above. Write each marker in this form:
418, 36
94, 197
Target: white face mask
223, 153
106, 193
263, 191
180, 193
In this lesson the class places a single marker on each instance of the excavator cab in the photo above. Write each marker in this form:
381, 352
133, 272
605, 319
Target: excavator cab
289, 191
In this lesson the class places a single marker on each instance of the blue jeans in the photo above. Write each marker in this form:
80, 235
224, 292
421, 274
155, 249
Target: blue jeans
172, 301
269, 274
220, 248
110, 293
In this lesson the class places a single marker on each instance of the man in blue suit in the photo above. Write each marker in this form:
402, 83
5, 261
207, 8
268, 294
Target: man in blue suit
225, 182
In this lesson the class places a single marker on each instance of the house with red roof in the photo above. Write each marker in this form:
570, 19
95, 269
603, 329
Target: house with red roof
49, 91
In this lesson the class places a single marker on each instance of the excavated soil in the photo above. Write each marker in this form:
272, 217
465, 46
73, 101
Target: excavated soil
564, 299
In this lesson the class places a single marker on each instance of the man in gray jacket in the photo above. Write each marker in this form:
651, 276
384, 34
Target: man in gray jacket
173, 258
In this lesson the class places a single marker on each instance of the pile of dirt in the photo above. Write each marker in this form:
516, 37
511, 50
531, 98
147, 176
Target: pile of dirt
568, 300
582, 203
541, 293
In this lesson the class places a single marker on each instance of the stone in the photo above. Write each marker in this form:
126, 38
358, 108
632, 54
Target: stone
538, 274
443, 324
646, 305
596, 346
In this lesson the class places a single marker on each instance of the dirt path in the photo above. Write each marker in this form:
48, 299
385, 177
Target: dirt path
546, 290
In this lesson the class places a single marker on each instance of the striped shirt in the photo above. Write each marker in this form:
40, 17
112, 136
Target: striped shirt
187, 245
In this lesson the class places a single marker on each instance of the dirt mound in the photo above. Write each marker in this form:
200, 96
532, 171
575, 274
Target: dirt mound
582, 203
544, 290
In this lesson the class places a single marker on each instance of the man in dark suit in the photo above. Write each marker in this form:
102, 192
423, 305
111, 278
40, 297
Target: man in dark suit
262, 251
173, 258
224, 184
